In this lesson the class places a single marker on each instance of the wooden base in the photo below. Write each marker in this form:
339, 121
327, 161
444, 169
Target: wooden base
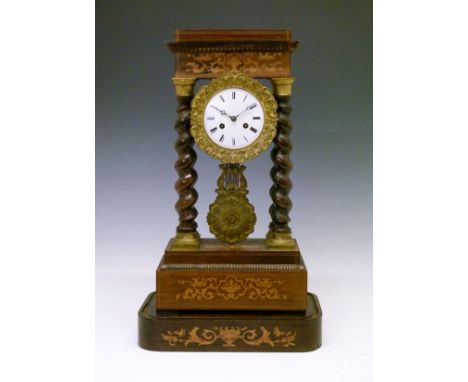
230, 331
249, 251
244, 276
234, 287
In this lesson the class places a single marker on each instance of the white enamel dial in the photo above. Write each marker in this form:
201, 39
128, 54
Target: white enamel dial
233, 118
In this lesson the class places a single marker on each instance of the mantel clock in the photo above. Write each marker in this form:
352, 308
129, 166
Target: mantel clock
232, 292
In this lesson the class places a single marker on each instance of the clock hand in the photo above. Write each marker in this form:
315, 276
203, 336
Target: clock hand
250, 107
221, 111
232, 117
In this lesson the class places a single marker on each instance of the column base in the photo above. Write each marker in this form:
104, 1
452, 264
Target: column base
186, 240
275, 240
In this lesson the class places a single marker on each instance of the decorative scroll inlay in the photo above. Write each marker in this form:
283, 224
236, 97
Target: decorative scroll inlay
228, 336
226, 62
231, 288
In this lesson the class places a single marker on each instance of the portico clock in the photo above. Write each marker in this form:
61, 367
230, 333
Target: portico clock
229, 291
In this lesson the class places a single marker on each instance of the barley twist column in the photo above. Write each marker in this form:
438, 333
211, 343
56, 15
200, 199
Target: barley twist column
279, 234
187, 235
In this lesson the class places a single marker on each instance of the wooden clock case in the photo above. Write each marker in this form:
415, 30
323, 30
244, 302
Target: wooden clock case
251, 295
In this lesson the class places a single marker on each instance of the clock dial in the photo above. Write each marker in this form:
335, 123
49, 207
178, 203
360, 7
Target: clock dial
233, 118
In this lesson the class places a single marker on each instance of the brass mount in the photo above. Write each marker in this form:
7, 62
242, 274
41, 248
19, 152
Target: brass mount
231, 217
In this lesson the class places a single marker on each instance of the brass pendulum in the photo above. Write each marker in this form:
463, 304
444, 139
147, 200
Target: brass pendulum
231, 218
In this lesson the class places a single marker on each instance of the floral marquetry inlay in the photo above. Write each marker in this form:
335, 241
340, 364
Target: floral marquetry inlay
231, 288
226, 62
228, 336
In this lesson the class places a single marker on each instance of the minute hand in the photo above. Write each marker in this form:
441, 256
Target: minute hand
250, 107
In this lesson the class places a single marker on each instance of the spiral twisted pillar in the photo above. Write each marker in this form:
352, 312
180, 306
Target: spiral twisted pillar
279, 234
186, 231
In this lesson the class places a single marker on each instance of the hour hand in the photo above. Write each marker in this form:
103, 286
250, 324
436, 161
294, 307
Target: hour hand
221, 111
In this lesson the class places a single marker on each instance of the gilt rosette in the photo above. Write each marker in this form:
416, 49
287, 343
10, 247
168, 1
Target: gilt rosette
231, 217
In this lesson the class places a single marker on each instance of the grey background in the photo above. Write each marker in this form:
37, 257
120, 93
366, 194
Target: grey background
332, 194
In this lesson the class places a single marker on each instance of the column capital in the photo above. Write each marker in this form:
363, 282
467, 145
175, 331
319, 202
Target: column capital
282, 86
184, 86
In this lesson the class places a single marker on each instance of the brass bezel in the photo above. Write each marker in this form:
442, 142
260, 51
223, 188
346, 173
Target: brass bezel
264, 96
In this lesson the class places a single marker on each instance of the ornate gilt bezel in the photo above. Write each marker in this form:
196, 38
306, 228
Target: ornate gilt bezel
268, 103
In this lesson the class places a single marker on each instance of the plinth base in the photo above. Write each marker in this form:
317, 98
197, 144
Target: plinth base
230, 331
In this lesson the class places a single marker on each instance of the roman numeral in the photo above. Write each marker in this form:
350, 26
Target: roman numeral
253, 118
222, 138
253, 129
210, 118
233, 95
213, 129
221, 96
233, 141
